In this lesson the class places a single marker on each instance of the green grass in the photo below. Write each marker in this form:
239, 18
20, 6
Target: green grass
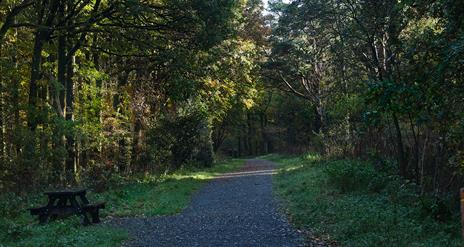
143, 196
336, 201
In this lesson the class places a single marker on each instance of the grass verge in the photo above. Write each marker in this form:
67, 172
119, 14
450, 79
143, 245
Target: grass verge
353, 204
142, 196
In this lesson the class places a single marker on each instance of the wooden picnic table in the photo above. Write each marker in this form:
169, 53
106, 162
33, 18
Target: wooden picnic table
64, 203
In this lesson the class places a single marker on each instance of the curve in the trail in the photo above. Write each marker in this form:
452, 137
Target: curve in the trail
234, 209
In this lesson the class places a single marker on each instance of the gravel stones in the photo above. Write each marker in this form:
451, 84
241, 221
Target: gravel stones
234, 209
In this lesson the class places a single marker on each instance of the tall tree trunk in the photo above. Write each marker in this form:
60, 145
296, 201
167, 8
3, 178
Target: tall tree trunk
137, 133
402, 162
14, 147
70, 145
62, 61
2, 123
264, 147
317, 121
248, 137
239, 146
41, 35
35, 76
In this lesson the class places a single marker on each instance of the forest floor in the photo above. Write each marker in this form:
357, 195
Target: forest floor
261, 203
234, 209
351, 203
136, 196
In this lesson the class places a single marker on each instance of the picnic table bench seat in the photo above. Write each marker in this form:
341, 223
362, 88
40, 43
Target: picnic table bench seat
64, 203
93, 209
38, 210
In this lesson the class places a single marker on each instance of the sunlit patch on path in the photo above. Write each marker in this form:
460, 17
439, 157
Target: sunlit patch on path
234, 209
246, 174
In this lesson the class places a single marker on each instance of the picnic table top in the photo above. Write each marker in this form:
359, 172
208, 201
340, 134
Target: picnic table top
66, 192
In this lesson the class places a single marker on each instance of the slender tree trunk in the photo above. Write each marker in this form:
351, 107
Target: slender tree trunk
2, 123
239, 145
35, 75
248, 137
15, 149
402, 162
264, 146
136, 142
317, 121
62, 61
70, 145
415, 150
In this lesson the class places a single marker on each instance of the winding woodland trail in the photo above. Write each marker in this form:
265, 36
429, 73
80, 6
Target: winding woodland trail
235, 209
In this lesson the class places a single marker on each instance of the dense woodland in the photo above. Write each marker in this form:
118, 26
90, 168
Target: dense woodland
383, 79
95, 88
91, 89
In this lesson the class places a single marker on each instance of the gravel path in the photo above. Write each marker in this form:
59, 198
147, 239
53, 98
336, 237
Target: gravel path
235, 209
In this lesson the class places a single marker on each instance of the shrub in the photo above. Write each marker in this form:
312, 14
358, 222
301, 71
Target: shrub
354, 175
98, 176
179, 140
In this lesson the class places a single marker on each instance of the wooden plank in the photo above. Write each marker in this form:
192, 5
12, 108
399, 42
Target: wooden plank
66, 192
39, 210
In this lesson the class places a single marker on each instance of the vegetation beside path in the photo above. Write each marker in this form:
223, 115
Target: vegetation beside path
351, 203
138, 196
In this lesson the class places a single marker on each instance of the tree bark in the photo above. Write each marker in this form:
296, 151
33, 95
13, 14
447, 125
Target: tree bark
41, 35
35, 76
62, 61
2, 124
70, 145
136, 136
402, 162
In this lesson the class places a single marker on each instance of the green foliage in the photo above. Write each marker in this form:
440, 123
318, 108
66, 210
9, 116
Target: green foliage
381, 77
78, 108
63, 233
349, 175
178, 140
160, 195
144, 195
380, 210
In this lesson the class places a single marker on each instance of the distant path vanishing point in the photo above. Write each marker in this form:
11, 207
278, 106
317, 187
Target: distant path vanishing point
234, 209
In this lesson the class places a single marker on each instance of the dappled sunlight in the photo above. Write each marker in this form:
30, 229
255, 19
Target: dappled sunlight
207, 174
311, 157
293, 168
267, 172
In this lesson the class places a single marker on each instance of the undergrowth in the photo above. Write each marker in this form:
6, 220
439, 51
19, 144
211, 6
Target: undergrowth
353, 204
135, 196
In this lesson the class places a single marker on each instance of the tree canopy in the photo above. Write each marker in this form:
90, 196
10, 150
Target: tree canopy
95, 88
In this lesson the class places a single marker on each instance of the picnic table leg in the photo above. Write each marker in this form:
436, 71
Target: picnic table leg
84, 199
60, 204
84, 219
51, 201
43, 219
95, 216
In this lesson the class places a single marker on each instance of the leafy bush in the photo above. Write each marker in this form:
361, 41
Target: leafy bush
349, 176
395, 216
98, 176
354, 175
179, 140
